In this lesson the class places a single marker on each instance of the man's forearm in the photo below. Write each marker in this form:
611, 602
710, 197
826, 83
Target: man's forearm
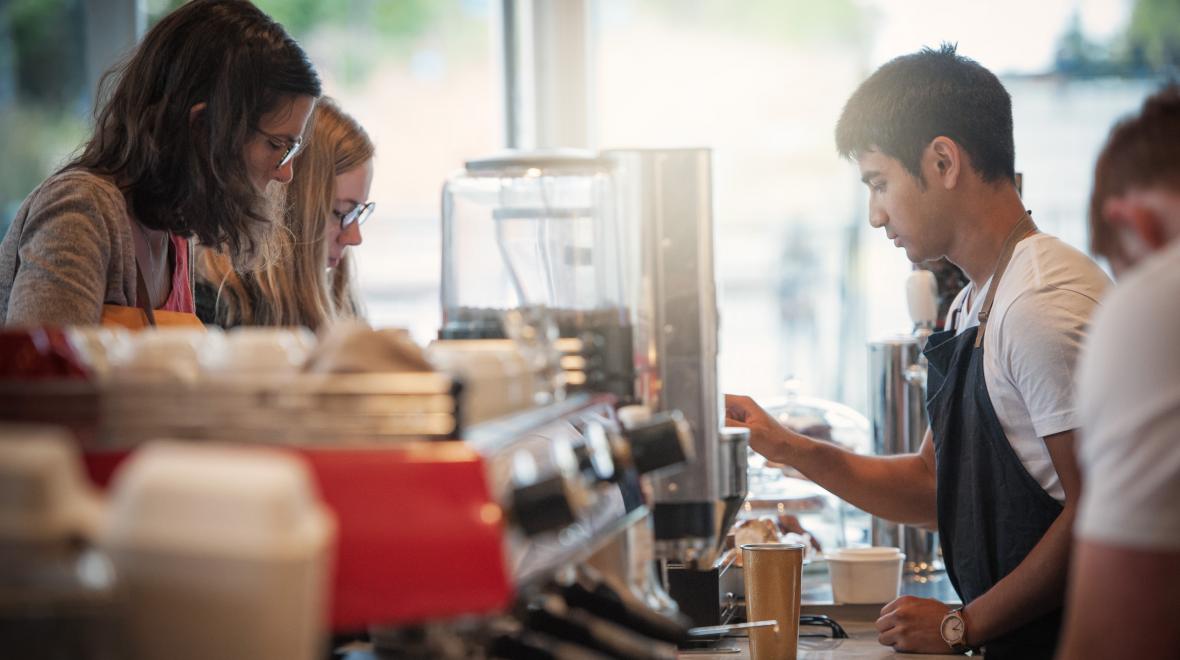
1115, 587
1036, 587
899, 488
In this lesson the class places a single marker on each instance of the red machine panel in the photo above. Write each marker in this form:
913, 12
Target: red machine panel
419, 536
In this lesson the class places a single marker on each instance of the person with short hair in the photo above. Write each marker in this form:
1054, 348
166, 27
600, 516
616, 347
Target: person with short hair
1126, 560
195, 135
931, 133
311, 285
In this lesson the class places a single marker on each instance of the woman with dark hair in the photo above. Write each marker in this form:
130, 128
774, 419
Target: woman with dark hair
328, 199
194, 135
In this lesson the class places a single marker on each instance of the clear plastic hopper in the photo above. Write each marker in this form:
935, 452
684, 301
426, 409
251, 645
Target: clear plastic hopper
537, 233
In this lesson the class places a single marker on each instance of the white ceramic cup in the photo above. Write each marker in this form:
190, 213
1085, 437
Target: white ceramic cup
865, 575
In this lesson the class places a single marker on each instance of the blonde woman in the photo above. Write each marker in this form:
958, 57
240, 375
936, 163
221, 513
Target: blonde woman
327, 203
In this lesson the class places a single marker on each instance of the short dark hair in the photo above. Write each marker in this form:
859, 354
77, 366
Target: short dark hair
189, 176
915, 98
1140, 152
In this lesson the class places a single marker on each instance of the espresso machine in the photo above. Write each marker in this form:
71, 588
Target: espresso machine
456, 538
609, 258
530, 528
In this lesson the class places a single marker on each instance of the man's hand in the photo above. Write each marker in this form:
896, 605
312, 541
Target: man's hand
767, 436
911, 625
898, 488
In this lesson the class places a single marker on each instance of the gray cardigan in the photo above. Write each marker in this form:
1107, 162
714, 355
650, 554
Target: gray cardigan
68, 252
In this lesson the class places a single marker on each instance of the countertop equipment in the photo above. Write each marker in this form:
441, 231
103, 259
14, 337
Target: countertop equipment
473, 539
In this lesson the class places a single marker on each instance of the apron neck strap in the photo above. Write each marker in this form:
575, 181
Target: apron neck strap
1023, 228
143, 297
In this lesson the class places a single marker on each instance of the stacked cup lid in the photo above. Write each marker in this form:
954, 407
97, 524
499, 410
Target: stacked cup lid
44, 493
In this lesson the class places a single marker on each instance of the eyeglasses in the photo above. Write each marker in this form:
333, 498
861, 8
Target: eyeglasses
358, 214
292, 147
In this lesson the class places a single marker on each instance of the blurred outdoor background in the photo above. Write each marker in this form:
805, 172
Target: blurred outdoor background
804, 281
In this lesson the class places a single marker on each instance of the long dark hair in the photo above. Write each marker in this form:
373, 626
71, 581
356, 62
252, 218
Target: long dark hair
187, 174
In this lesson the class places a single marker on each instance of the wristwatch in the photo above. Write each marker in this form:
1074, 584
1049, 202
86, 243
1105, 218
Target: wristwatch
954, 630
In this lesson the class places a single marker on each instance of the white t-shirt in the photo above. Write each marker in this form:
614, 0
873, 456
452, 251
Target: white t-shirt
1129, 396
1038, 323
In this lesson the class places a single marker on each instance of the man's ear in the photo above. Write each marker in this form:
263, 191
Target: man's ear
196, 110
945, 161
1138, 219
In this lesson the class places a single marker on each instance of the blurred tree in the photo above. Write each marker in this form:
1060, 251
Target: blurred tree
47, 50
391, 19
1079, 56
7, 61
360, 26
1153, 34
43, 95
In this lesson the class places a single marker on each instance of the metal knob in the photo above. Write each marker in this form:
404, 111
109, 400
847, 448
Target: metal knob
660, 442
542, 507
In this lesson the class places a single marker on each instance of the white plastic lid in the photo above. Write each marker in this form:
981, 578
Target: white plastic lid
260, 350
165, 354
95, 343
482, 354
865, 554
219, 500
509, 163
921, 293
45, 495
633, 415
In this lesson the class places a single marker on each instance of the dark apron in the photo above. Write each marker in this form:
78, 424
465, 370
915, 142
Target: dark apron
991, 512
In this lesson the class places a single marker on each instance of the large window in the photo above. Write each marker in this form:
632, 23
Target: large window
422, 77
805, 281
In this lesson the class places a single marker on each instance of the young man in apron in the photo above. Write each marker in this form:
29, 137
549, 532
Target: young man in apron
1126, 560
932, 135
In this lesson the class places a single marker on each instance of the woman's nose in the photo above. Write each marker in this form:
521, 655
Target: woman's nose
351, 235
285, 173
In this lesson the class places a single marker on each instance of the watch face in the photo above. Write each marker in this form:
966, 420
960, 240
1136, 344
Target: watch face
952, 629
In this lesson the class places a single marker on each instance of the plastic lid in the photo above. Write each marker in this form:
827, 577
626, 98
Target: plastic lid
166, 354
261, 350
513, 162
633, 415
921, 293
202, 499
865, 554
44, 493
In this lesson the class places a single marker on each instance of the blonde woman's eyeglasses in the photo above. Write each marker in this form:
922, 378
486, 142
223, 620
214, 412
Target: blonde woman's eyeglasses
358, 214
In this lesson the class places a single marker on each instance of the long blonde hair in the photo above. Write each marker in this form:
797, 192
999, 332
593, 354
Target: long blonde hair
298, 289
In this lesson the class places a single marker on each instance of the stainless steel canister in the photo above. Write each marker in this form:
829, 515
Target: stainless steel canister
897, 409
